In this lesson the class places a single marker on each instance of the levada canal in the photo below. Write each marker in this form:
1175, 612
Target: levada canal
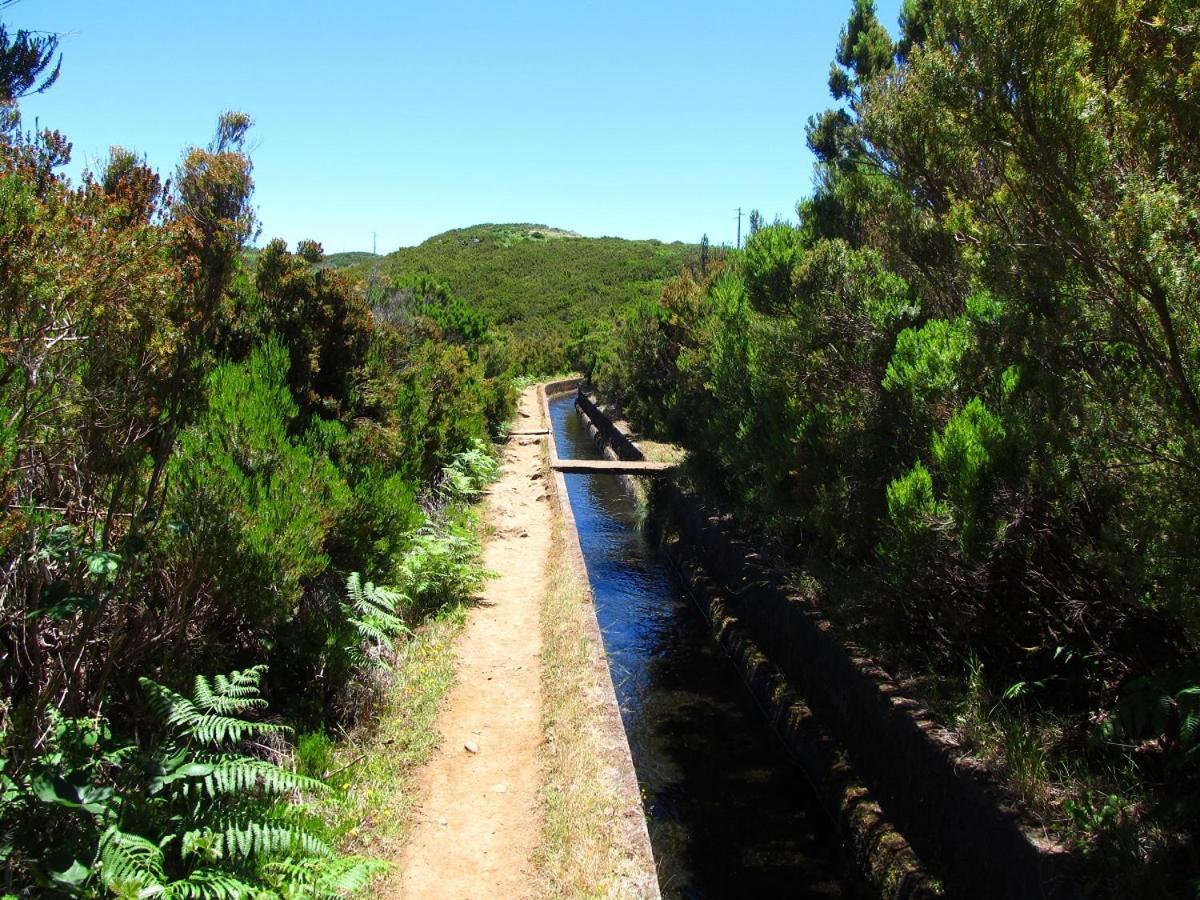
729, 814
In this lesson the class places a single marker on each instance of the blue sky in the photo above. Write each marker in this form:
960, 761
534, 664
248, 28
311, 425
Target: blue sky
637, 119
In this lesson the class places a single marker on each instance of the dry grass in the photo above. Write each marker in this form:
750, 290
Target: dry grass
583, 852
383, 759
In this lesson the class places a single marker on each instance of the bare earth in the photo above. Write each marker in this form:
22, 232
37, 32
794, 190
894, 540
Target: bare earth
479, 823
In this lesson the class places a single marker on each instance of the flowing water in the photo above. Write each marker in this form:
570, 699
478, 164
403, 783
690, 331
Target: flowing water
728, 812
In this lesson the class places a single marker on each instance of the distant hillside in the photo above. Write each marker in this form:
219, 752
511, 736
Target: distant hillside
331, 261
349, 259
535, 281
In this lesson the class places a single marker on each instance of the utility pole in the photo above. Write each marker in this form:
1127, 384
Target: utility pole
374, 234
739, 241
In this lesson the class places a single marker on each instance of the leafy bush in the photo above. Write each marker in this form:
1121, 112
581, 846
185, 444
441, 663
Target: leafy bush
968, 453
772, 256
440, 567
197, 445
469, 472
188, 814
252, 504
962, 393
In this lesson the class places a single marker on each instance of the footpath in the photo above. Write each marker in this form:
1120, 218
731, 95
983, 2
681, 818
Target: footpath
480, 822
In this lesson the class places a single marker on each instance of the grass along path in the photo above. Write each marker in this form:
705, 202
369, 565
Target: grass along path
592, 840
379, 763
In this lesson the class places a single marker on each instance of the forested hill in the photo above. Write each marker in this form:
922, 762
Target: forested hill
534, 282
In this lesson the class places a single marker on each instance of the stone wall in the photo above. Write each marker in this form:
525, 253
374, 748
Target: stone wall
947, 806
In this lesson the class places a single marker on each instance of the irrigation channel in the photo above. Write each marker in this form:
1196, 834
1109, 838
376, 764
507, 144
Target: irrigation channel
728, 812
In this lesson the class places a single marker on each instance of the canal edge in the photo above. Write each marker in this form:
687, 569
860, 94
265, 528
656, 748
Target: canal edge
880, 854
981, 843
637, 835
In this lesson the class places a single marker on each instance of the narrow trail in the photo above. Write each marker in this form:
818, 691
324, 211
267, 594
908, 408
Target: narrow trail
479, 822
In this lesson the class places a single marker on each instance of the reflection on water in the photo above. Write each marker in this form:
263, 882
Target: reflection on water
729, 815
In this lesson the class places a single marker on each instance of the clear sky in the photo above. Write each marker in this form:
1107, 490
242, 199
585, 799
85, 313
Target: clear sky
636, 119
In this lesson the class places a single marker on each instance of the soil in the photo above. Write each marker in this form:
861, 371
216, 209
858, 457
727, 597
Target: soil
479, 822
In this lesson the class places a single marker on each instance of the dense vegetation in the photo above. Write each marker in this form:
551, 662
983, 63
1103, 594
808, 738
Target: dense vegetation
961, 393
542, 287
208, 467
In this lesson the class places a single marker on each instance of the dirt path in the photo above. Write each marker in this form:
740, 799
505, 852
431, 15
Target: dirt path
479, 823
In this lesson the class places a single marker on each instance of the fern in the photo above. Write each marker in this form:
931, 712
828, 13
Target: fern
130, 864
228, 694
1164, 707
441, 567
248, 840
468, 472
322, 880
231, 775
373, 611
198, 819
210, 884
196, 720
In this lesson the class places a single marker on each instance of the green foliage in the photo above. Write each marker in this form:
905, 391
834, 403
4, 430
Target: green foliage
963, 391
209, 719
239, 473
25, 59
534, 288
189, 814
1164, 707
460, 322
926, 362
197, 443
968, 453
864, 47
320, 320
466, 475
441, 567
373, 613
912, 507
772, 256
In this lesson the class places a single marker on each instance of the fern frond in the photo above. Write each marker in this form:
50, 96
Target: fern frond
372, 610
190, 721
323, 879
237, 692
244, 775
378, 631
244, 840
469, 471
129, 861
370, 598
210, 884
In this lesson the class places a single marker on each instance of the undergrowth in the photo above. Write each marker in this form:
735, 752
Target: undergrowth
220, 801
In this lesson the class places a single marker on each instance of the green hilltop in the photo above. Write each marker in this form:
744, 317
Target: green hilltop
346, 260
534, 281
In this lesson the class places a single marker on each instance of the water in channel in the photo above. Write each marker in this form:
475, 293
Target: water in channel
729, 814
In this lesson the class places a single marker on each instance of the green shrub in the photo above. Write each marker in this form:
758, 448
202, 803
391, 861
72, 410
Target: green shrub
969, 453
253, 505
912, 507
440, 567
772, 256
926, 363
187, 813
469, 472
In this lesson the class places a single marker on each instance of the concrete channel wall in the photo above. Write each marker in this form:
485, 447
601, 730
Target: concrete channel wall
873, 755
632, 810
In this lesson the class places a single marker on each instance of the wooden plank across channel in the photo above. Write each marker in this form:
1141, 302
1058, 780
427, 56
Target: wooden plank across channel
609, 467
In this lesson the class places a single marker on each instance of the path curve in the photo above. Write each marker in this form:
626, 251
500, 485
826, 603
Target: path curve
479, 822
